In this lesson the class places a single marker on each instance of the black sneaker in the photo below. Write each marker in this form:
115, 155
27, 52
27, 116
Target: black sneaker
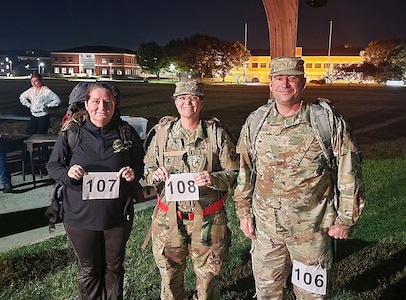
7, 188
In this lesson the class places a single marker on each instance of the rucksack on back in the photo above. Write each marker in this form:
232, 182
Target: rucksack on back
319, 120
321, 125
210, 126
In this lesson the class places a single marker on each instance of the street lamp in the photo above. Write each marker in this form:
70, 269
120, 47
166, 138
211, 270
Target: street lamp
9, 66
111, 71
39, 66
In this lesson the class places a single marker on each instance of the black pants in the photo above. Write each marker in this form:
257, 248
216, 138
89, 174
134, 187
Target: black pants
38, 125
100, 256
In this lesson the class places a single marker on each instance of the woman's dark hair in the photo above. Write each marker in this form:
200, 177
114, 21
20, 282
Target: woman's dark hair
38, 76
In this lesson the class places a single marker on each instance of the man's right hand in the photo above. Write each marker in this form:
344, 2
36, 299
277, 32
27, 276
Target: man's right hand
247, 226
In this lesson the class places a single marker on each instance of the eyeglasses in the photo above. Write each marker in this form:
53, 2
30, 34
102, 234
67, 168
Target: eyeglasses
188, 98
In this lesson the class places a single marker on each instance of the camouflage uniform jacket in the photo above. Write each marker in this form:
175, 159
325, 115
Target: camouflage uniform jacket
186, 152
292, 189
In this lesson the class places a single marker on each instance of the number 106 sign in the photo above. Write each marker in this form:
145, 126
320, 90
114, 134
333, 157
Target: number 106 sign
181, 187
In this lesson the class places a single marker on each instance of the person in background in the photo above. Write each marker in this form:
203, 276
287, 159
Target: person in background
286, 188
98, 221
205, 152
4, 173
39, 98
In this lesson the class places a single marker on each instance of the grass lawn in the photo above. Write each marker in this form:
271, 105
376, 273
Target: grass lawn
371, 264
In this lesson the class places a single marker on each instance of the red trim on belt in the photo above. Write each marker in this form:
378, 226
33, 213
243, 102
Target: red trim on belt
211, 209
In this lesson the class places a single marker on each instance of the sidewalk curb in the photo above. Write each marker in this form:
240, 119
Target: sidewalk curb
41, 234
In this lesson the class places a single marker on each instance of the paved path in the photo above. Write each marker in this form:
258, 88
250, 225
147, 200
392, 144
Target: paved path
26, 197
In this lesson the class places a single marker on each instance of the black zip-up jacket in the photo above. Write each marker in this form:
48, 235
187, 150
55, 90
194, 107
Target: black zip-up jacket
94, 152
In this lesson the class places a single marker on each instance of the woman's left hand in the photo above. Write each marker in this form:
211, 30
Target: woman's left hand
127, 173
203, 179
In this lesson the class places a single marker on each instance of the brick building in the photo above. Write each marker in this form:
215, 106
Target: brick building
95, 61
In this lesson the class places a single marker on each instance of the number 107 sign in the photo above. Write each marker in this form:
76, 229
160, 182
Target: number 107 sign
181, 187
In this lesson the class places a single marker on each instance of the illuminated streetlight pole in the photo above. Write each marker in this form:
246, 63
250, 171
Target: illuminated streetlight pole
245, 44
9, 66
329, 50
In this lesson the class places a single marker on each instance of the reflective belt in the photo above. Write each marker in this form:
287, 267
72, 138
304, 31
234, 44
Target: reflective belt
211, 209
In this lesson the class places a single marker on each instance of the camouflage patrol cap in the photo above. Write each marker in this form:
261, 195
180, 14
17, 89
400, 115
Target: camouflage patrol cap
287, 66
193, 87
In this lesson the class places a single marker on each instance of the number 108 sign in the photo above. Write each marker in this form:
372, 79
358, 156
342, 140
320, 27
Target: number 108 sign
181, 187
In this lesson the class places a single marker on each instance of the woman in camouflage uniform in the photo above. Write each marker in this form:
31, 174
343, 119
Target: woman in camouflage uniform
206, 151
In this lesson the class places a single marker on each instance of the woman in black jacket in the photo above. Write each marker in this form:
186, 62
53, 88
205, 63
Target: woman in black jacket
99, 170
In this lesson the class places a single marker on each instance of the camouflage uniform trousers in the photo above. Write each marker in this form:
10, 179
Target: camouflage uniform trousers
209, 261
272, 256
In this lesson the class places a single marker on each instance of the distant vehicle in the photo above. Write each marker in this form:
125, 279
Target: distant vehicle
318, 81
255, 79
395, 83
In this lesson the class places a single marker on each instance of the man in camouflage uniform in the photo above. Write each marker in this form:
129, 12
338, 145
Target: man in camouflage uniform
285, 195
203, 147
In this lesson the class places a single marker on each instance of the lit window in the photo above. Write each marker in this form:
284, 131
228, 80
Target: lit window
317, 65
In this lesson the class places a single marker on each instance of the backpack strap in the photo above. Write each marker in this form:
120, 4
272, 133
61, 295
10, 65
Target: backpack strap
210, 138
53, 211
210, 127
320, 122
258, 120
163, 128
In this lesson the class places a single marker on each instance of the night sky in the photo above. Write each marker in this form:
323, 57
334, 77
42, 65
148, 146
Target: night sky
57, 25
